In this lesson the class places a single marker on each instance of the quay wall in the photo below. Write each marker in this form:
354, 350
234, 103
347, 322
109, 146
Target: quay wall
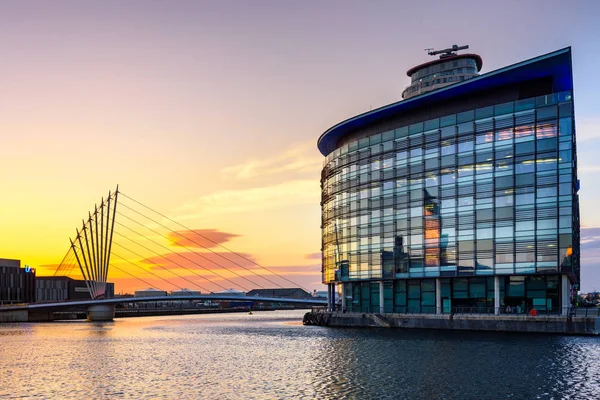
14, 316
540, 324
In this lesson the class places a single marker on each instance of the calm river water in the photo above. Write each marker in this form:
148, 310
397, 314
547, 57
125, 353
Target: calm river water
270, 355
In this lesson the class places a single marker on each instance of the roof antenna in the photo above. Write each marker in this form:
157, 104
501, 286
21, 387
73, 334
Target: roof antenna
449, 52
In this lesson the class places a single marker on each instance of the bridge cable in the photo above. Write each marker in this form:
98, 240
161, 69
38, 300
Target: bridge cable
63, 260
71, 264
68, 265
207, 248
136, 277
160, 266
171, 252
206, 238
199, 253
150, 272
150, 285
193, 251
160, 255
70, 255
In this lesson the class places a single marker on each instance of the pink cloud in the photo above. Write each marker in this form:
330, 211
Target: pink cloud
200, 238
313, 256
201, 260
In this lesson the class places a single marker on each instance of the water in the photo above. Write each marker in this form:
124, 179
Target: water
270, 355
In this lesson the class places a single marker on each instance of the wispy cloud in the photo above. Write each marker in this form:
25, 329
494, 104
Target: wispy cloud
313, 256
215, 271
588, 129
590, 238
207, 261
589, 168
289, 193
299, 159
287, 183
205, 238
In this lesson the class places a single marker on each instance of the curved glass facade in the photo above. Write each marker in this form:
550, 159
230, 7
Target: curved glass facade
453, 202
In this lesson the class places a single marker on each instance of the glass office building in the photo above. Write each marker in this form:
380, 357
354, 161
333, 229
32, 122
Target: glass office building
465, 196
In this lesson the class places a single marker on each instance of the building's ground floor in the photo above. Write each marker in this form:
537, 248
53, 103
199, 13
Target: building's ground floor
494, 295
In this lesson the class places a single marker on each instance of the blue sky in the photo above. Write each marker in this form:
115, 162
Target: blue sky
213, 108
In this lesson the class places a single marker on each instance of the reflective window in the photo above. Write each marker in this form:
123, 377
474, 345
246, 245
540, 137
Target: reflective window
448, 149
416, 152
465, 147
421, 204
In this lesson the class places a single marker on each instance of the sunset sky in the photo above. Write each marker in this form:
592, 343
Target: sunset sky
209, 112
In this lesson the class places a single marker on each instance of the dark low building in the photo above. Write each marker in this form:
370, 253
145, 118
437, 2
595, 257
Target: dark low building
294, 293
62, 288
17, 285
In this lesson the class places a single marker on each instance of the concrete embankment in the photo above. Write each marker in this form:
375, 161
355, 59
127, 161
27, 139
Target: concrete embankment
504, 323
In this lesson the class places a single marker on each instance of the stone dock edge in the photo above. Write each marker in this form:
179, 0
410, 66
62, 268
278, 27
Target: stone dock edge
554, 324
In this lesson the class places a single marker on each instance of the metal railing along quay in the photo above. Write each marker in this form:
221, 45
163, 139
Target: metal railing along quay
505, 311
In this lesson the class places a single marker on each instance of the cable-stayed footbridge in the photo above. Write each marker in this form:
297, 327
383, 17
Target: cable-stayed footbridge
124, 236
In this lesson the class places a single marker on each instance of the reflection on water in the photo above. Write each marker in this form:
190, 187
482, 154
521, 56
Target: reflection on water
270, 355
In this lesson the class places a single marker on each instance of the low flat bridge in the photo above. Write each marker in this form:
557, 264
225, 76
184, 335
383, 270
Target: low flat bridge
103, 310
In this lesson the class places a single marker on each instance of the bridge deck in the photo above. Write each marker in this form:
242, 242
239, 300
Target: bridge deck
118, 300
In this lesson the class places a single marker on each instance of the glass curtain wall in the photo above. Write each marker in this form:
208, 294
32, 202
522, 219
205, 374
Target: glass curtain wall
486, 192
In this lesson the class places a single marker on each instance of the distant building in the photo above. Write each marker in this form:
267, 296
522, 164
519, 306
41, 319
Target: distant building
17, 285
185, 292
63, 288
294, 293
150, 292
231, 292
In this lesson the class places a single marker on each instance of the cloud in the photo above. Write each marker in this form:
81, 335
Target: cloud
590, 258
299, 159
290, 193
313, 256
71, 269
223, 264
200, 238
590, 238
588, 129
589, 168
201, 261
279, 181
214, 272
296, 270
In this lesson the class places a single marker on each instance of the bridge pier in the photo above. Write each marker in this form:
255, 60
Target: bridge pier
101, 312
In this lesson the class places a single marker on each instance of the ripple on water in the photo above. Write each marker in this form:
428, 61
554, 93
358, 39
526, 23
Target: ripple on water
270, 355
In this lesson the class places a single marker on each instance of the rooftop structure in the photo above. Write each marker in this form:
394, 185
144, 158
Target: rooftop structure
448, 69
